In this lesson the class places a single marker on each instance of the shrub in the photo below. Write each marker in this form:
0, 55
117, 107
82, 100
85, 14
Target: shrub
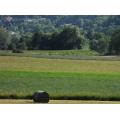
41, 97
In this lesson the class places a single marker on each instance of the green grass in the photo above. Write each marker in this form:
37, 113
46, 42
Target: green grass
20, 77
60, 85
63, 52
39, 53
83, 54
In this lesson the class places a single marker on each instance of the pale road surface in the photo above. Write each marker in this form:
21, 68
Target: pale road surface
19, 101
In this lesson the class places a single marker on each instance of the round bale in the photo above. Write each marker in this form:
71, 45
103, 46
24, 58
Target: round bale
41, 97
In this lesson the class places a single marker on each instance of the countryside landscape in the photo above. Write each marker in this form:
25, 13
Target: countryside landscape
75, 58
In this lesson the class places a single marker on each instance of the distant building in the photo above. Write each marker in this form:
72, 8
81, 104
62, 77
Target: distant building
12, 33
8, 18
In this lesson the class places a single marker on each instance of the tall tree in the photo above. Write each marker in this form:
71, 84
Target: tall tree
100, 43
4, 39
71, 37
115, 43
36, 40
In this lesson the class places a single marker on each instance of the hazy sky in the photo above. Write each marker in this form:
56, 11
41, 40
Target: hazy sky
67, 7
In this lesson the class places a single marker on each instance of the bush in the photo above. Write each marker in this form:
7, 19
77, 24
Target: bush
17, 51
41, 97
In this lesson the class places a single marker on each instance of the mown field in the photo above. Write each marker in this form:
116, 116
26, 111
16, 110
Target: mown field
20, 77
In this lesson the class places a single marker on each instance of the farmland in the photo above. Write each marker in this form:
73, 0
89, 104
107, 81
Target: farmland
61, 78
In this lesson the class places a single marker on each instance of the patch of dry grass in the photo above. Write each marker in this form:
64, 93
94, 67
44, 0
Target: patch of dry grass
58, 65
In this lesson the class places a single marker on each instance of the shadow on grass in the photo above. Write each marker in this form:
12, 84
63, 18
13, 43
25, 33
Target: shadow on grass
29, 97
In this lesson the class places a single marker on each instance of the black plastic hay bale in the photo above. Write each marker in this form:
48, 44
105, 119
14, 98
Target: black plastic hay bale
41, 97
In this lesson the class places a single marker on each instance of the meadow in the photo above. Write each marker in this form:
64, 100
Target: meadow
64, 79
38, 53
84, 54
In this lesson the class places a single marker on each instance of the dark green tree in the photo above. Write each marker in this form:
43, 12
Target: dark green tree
27, 40
22, 43
18, 44
14, 43
100, 43
4, 39
36, 40
115, 43
70, 38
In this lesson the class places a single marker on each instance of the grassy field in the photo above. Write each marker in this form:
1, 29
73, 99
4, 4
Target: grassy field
61, 54
38, 53
20, 77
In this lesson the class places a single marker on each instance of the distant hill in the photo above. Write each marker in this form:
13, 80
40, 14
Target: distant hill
49, 23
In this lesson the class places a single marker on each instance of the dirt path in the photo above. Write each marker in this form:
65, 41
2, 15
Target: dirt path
14, 101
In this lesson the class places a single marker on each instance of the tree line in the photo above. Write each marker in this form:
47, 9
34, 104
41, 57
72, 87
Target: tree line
68, 38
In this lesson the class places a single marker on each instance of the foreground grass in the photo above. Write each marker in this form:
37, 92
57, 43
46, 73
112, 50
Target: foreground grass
60, 85
20, 77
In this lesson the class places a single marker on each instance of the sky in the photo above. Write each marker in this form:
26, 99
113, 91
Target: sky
59, 7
